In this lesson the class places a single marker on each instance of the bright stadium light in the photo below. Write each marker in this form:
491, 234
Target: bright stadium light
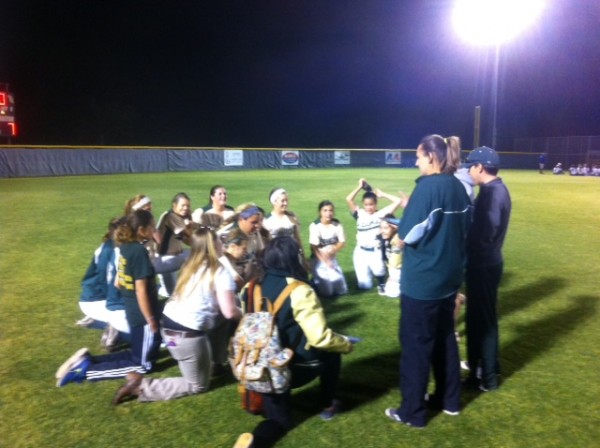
493, 23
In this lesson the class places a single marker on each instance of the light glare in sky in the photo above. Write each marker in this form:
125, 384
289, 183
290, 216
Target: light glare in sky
493, 22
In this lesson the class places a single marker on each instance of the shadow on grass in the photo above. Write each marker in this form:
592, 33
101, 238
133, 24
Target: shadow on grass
362, 381
513, 300
540, 335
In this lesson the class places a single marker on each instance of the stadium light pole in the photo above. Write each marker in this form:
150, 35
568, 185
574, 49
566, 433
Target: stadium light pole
493, 23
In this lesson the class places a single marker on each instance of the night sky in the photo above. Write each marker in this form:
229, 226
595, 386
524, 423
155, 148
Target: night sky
283, 73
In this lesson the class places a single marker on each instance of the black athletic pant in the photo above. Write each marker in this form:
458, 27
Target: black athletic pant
277, 407
482, 323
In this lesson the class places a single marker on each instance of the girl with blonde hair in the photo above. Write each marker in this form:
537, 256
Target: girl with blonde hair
203, 296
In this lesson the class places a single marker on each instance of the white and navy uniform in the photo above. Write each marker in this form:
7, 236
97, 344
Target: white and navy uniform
96, 282
134, 264
286, 225
328, 280
367, 256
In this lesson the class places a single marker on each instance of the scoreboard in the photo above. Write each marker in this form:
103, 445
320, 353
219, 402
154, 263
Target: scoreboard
8, 127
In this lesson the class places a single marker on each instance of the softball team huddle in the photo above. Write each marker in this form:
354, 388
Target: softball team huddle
205, 257
223, 246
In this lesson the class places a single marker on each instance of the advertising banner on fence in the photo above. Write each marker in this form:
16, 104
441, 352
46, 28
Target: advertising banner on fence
341, 157
393, 157
233, 157
290, 158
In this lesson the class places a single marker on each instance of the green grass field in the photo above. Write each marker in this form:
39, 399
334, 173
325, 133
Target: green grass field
549, 308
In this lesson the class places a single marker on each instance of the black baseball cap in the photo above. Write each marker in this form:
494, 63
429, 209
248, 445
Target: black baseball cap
484, 156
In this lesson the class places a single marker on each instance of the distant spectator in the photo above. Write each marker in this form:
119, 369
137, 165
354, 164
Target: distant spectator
558, 169
573, 170
587, 171
542, 162
596, 170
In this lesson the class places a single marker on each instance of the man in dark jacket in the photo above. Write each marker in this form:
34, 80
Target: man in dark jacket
484, 266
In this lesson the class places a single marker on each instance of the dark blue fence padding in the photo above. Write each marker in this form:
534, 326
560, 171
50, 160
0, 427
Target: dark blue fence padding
194, 160
57, 161
26, 162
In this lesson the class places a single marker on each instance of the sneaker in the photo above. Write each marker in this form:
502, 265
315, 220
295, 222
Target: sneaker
483, 388
109, 338
76, 373
464, 365
76, 358
244, 440
85, 322
328, 413
381, 290
435, 402
392, 414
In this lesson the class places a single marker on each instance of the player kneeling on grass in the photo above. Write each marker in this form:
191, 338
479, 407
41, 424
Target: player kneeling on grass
302, 328
100, 299
367, 259
326, 237
203, 298
136, 280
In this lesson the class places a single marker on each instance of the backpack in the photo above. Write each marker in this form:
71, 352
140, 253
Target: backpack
255, 354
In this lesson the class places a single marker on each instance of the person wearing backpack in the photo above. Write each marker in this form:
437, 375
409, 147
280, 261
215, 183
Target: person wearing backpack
302, 328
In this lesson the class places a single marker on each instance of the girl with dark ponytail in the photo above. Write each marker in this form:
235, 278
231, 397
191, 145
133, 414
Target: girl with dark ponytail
136, 281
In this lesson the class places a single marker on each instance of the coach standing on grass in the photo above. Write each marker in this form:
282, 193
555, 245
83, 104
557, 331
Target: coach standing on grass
484, 266
433, 228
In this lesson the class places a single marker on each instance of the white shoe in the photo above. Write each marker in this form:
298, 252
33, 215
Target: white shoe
110, 337
464, 365
244, 440
75, 359
85, 322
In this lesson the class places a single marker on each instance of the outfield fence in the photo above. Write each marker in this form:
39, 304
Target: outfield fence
566, 150
37, 161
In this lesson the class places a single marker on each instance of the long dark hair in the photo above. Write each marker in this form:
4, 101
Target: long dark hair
127, 231
283, 253
445, 150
